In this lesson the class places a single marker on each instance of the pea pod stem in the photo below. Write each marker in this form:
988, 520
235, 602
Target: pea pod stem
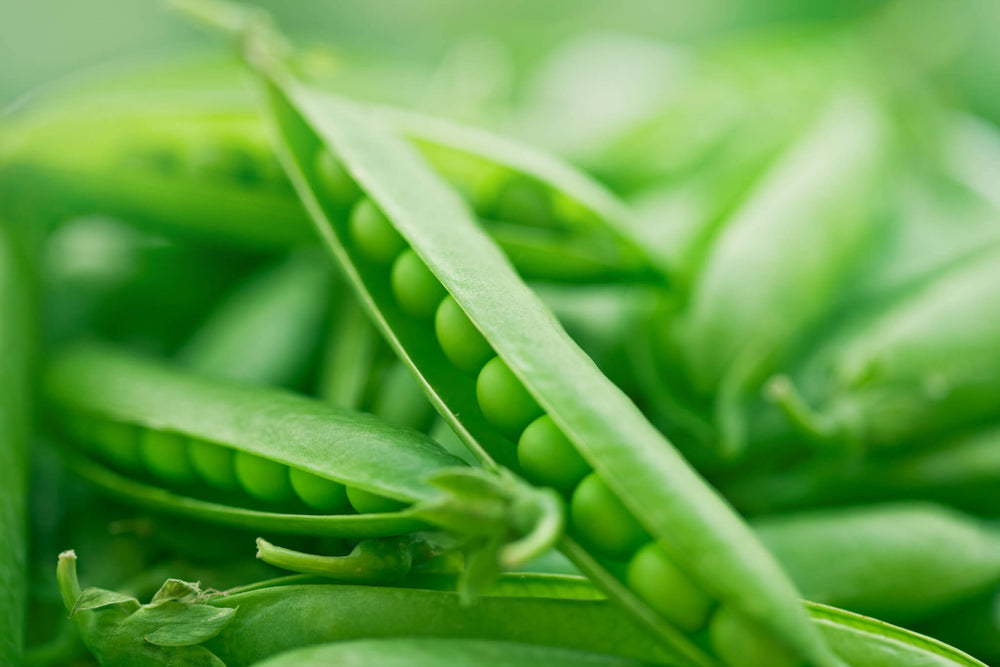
382, 561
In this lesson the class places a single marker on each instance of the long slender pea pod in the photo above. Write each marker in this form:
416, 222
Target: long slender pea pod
17, 291
900, 562
238, 455
775, 267
440, 653
924, 365
962, 472
194, 161
263, 620
268, 331
643, 494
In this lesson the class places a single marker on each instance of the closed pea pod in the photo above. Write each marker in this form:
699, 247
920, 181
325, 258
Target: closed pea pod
786, 251
283, 462
538, 371
533, 611
922, 365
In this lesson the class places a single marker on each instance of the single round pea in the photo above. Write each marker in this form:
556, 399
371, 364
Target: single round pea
166, 456
321, 494
652, 575
503, 399
118, 442
460, 339
374, 234
602, 522
548, 458
416, 289
740, 642
337, 184
364, 502
262, 478
214, 464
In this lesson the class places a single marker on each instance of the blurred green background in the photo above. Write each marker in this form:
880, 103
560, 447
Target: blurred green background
44, 40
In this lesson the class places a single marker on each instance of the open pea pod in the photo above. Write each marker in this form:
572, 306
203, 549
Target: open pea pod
238, 455
193, 160
17, 323
453, 307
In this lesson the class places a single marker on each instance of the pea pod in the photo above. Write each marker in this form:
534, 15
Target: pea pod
922, 366
962, 472
268, 330
17, 289
193, 161
867, 559
440, 652
238, 455
275, 616
493, 326
779, 262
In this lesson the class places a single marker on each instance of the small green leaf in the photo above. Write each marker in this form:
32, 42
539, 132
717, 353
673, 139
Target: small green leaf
98, 598
172, 623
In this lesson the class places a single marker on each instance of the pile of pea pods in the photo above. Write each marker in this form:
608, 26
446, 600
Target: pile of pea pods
291, 378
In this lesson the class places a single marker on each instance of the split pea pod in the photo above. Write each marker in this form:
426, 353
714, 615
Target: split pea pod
498, 366
237, 455
194, 161
920, 367
17, 291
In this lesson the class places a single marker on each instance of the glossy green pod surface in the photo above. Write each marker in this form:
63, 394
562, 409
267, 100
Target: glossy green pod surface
241, 455
669, 500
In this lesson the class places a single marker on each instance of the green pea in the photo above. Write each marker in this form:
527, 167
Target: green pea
503, 399
118, 442
548, 458
417, 290
214, 464
337, 184
364, 502
740, 642
652, 575
374, 234
601, 521
319, 493
263, 479
460, 339
166, 456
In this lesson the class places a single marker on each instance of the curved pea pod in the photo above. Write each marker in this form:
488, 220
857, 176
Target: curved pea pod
528, 368
900, 562
193, 160
238, 455
922, 366
17, 296
440, 652
776, 266
267, 331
